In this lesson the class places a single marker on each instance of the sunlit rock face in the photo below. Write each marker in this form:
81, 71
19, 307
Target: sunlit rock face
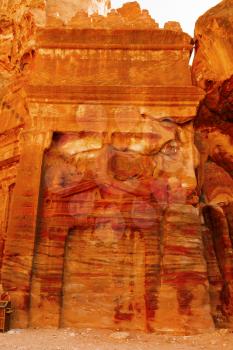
213, 69
17, 49
111, 201
100, 222
129, 16
66, 9
214, 39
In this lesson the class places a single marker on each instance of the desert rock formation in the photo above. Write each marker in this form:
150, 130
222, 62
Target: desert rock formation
214, 38
103, 188
64, 10
213, 69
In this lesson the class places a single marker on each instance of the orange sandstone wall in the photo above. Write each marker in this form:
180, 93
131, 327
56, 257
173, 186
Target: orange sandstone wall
213, 70
17, 43
100, 220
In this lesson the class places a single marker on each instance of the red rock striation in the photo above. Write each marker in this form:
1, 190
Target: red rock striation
17, 48
213, 70
214, 141
100, 222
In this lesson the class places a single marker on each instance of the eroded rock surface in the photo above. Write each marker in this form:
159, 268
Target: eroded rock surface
214, 140
129, 16
213, 69
113, 231
17, 48
100, 220
214, 40
64, 10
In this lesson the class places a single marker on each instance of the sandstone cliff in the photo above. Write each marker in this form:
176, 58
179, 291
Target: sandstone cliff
100, 199
214, 41
212, 70
17, 48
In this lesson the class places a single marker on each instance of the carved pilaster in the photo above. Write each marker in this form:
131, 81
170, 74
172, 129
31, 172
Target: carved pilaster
3, 5
35, 138
6, 196
19, 247
6, 189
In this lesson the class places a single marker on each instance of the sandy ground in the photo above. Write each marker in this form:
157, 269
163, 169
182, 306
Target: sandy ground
88, 339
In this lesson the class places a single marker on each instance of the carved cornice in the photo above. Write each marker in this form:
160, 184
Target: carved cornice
73, 46
159, 95
150, 39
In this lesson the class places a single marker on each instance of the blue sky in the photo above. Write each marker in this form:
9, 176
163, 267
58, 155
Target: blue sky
184, 11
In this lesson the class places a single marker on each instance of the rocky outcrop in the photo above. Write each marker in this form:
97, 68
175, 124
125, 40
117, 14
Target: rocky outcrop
129, 16
214, 136
17, 49
214, 128
214, 45
100, 212
100, 221
212, 70
64, 10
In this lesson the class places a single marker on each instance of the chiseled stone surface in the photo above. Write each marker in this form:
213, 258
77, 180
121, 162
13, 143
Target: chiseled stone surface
116, 211
16, 50
100, 221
